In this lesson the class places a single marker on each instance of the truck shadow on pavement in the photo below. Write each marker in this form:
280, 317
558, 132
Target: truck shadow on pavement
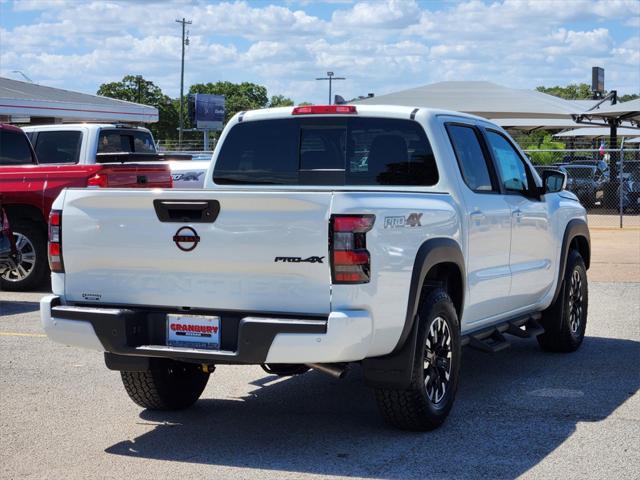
15, 308
512, 410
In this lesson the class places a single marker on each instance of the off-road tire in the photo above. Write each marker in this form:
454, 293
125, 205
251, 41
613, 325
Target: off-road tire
411, 408
169, 385
36, 235
559, 334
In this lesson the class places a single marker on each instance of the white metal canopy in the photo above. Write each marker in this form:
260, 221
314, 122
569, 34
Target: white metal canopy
529, 124
596, 132
625, 111
29, 100
484, 99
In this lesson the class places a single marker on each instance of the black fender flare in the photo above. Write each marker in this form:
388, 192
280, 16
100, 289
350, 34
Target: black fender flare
396, 369
575, 228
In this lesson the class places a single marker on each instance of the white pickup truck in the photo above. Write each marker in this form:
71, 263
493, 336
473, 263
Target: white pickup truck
325, 235
91, 143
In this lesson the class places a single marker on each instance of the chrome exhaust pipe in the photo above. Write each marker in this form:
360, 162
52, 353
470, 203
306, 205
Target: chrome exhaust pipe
336, 370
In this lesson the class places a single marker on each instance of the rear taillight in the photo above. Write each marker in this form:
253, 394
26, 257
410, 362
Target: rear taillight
324, 110
55, 241
350, 259
98, 180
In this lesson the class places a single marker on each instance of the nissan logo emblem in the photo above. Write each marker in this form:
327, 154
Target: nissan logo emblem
186, 239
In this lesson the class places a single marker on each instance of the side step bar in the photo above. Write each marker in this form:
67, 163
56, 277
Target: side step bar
492, 340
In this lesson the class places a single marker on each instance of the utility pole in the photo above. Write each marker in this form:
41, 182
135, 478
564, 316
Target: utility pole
185, 41
331, 78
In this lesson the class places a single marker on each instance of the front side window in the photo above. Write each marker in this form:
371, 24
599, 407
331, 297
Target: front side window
14, 148
471, 158
58, 147
511, 168
327, 151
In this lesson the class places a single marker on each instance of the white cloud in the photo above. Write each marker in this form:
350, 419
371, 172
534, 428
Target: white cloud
590, 43
377, 14
379, 46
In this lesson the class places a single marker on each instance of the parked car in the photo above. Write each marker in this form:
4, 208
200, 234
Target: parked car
8, 251
91, 143
30, 188
587, 182
630, 185
291, 259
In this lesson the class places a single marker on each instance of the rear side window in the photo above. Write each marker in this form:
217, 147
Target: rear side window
125, 141
14, 148
471, 158
327, 151
58, 147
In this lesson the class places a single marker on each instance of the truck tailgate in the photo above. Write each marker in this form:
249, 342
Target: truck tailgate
265, 251
129, 175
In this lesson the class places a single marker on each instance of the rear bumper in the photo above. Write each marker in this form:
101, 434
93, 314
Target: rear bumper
246, 338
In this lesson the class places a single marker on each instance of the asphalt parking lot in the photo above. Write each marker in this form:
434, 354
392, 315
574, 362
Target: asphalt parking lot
519, 413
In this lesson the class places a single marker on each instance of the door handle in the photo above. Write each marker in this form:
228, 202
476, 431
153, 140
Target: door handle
187, 211
517, 213
477, 215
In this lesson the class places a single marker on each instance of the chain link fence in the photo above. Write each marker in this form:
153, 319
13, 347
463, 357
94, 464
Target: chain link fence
607, 182
185, 146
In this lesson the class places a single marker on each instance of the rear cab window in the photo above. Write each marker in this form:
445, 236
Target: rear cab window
472, 161
61, 146
125, 141
14, 148
327, 151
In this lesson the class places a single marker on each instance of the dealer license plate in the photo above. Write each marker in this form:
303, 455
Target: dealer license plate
193, 331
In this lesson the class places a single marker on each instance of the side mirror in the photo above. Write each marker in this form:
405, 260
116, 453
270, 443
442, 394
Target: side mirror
553, 181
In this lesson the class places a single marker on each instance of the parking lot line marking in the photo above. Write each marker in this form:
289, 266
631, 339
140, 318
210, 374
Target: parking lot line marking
20, 334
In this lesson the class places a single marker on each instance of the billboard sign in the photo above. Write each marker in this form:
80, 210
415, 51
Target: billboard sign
209, 111
597, 80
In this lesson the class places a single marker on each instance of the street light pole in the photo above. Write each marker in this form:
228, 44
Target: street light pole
184, 42
331, 78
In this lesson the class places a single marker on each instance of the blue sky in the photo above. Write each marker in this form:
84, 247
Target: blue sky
379, 45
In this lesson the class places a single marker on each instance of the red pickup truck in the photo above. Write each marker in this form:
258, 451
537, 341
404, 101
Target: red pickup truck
28, 189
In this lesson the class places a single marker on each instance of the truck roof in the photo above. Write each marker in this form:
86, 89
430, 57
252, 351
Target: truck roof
388, 111
89, 126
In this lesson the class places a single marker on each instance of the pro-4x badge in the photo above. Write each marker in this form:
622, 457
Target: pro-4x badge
299, 259
411, 220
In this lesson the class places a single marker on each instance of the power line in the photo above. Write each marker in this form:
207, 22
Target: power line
184, 43
331, 78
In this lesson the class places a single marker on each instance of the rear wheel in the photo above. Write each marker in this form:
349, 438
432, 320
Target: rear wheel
168, 385
425, 404
565, 320
32, 264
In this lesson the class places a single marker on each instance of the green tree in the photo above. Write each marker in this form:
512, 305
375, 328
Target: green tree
580, 91
628, 97
238, 96
280, 101
134, 88
545, 158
